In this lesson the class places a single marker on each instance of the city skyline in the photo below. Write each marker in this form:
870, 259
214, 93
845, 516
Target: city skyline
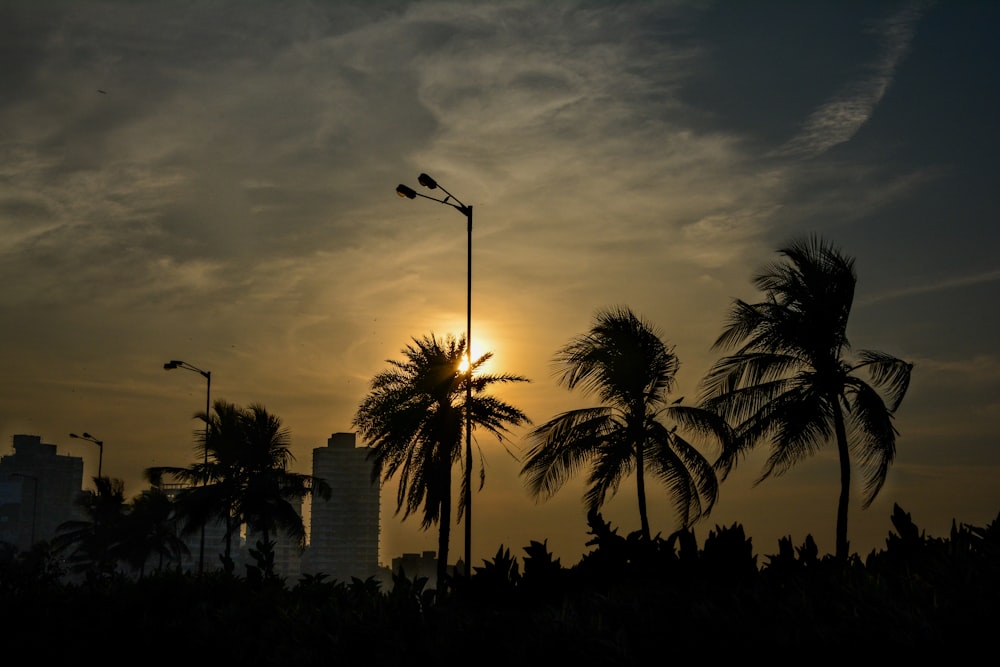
216, 185
341, 531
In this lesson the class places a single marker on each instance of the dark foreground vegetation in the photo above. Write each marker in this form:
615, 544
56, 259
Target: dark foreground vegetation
628, 601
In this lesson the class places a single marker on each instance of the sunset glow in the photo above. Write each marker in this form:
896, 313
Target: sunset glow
217, 184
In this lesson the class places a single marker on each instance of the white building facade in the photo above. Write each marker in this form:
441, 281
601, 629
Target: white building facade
344, 530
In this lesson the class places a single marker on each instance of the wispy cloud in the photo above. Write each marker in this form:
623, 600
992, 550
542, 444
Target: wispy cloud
843, 115
952, 283
230, 201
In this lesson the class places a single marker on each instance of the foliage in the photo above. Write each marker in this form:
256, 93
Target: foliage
625, 600
25, 572
93, 545
789, 382
263, 569
636, 430
150, 533
243, 477
414, 417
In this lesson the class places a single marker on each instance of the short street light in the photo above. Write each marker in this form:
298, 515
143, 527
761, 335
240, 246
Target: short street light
99, 443
451, 200
169, 366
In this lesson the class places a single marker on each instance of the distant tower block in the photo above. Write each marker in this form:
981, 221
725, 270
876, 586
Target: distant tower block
344, 530
38, 491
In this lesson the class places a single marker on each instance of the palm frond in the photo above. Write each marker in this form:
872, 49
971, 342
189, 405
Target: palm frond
797, 423
560, 446
612, 462
889, 373
413, 419
684, 470
746, 403
711, 428
621, 359
873, 440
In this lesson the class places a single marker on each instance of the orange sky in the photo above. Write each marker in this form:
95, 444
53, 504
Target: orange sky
228, 200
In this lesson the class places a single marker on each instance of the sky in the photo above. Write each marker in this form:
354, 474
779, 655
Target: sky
214, 182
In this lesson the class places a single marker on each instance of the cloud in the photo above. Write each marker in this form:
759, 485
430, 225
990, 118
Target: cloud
230, 200
939, 286
838, 120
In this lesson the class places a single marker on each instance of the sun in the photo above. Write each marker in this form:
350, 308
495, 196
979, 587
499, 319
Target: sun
480, 346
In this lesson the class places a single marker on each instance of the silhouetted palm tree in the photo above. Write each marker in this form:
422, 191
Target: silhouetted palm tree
209, 481
267, 488
624, 360
413, 419
789, 384
246, 477
93, 543
150, 531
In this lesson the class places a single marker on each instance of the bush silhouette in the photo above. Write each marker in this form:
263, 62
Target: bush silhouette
626, 599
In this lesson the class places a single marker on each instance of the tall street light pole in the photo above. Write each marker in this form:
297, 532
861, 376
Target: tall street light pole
170, 365
100, 445
452, 200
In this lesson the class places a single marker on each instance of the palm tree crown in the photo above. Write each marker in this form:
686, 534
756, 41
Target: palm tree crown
93, 543
267, 488
414, 418
246, 479
788, 382
624, 360
150, 533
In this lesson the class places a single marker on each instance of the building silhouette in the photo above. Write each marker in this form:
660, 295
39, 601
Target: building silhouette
415, 566
38, 491
344, 530
287, 550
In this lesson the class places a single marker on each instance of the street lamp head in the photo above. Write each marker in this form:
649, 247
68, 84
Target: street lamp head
450, 200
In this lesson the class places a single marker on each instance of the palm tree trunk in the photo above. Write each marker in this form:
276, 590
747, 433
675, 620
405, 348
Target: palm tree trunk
444, 529
845, 481
640, 485
227, 565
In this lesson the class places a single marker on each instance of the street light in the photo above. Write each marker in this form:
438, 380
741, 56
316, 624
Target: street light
34, 502
99, 443
453, 201
169, 366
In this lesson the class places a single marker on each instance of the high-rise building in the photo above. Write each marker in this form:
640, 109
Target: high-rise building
287, 551
38, 491
344, 530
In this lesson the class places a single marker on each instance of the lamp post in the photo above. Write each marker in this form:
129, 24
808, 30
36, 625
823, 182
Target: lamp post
170, 365
34, 502
453, 201
100, 445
